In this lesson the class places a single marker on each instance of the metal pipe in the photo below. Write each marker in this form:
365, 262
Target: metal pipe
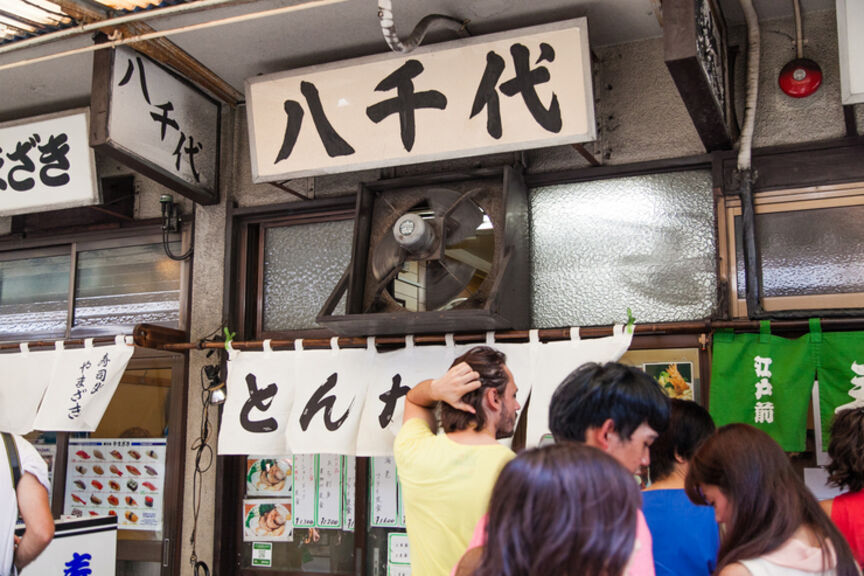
172, 31
746, 140
799, 29
752, 262
388, 27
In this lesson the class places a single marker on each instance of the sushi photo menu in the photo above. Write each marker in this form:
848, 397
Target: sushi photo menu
120, 477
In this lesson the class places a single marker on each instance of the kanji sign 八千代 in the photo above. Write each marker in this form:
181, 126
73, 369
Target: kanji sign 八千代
515, 90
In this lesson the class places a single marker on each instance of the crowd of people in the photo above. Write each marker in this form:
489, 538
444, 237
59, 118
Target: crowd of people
724, 502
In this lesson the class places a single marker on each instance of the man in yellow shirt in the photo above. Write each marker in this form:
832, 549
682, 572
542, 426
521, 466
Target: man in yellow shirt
447, 478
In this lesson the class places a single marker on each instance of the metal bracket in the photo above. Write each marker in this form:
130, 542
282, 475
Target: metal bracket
303, 188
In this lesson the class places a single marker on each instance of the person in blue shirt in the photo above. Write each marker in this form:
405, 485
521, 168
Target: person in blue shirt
685, 536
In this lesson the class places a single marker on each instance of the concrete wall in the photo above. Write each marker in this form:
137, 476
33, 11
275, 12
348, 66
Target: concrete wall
640, 117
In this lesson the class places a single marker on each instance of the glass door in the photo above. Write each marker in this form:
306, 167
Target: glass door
131, 466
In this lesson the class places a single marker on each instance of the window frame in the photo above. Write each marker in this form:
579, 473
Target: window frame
778, 201
73, 243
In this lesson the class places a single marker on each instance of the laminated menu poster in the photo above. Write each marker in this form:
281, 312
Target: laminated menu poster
267, 520
269, 476
329, 491
384, 503
398, 554
119, 477
349, 488
305, 473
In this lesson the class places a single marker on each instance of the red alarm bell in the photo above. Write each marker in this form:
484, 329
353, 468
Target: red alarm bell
800, 78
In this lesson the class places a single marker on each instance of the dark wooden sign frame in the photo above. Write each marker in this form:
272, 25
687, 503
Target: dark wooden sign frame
101, 141
688, 48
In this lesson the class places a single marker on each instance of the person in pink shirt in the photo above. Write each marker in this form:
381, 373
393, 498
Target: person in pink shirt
618, 409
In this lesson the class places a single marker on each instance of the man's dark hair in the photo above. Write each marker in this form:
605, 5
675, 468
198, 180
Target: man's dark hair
593, 393
689, 425
489, 364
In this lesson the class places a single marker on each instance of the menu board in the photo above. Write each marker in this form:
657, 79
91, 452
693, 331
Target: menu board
398, 554
269, 476
304, 474
329, 491
384, 507
267, 519
117, 477
349, 491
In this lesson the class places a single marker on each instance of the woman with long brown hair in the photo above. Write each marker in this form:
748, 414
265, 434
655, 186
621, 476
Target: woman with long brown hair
774, 525
563, 510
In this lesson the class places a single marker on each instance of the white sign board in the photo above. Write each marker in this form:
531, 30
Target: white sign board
157, 122
515, 90
46, 163
87, 547
850, 37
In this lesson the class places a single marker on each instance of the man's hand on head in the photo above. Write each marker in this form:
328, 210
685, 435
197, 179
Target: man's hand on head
458, 381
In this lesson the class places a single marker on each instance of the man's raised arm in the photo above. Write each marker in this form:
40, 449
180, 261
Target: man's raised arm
450, 388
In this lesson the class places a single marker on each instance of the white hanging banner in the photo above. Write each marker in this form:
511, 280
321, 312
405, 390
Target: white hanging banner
25, 378
259, 397
82, 384
330, 389
393, 375
555, 360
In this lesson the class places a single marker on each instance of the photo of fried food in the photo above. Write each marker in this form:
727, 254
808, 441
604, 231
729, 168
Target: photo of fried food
271, 523
271, 476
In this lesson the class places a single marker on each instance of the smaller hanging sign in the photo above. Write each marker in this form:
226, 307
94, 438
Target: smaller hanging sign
46, 163
156, 122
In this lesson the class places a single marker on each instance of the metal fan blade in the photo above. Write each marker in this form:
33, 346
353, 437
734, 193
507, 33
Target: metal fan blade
464, 217
386, 255
445, 279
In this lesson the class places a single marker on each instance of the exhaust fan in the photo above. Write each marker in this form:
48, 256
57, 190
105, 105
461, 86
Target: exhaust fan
448, 253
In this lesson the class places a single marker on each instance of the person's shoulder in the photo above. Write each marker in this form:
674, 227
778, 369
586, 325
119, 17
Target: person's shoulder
31, 461
734, 569
827, 506
411, 432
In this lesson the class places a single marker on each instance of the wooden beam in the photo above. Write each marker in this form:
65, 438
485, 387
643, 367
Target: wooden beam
159, 49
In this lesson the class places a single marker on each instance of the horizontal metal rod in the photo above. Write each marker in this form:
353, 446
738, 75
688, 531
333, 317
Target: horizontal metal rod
550, 334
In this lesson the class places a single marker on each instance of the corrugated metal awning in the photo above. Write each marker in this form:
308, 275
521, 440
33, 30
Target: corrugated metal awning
23, 19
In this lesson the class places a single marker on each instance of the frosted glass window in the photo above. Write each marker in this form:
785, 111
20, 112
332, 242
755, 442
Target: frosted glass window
646, 243
116, 288
302, 265
34, 297
807, 252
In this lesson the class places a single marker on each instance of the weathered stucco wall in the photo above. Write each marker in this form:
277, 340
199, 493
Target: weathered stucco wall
640, 118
